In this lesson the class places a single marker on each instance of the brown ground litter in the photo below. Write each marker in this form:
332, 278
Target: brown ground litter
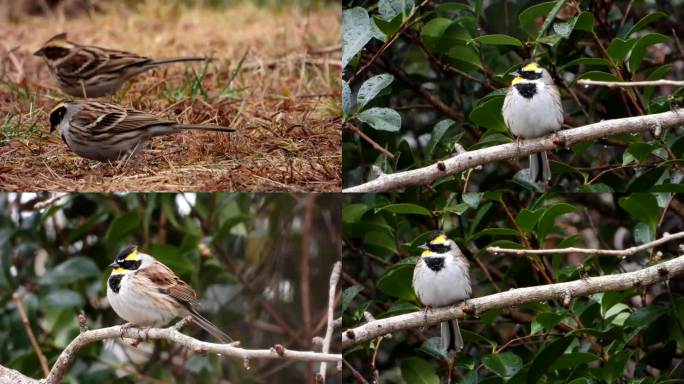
284, 102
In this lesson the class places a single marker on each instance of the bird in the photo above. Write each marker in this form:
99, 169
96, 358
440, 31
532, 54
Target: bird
90, 71
146, 293
440, 278
106, 132
532, 108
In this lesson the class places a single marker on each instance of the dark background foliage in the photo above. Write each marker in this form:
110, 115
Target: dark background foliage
635, 336
442, 82
241, 253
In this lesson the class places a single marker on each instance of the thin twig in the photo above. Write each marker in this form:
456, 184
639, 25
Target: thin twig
370, 141
599, 252
29, 332
334, 279
615, 84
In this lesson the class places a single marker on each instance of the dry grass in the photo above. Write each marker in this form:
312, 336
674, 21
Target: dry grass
283, 101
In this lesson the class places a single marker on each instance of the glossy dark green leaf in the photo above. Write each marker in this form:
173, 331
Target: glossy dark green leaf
527, 219
63, 298
356, 32
346, 99
415, 370
440, 34
643, 317
72, 270
640, 49
528, 17
349, 294
504, 365
405, 209
547, 220
641, 24
597, 75
122, 226
396, 282
383, 119
573, 360
351, 213
371, 88
452, 6
656, 74
437, 134
390, 8
643, 207
637, 152
546, 357
587, 61
468, 57
618, 49
498, 40
488, 115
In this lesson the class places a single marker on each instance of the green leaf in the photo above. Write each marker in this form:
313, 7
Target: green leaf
616, 366
547, 220
173, 258
72, 270
644, 317
639, 51
437, 134
122, 226
63, 298
642, 206
440, 34
488, 115
596, 75
498, 40
527, 219
390, 8
657, 74
465, 55
380, 239
415, 370
356, 32
619, 48
504, 365
396, 281
447, 7
587, 61
636, 152
546, 357
641, 24
383, 119
573, 360
405, 209
528, 17
349, 294
346, 99
472, 199
352, 213
584, 22
371, 88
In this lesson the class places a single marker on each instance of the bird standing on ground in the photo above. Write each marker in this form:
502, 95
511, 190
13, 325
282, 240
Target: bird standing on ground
532, 108
440, 278
106, 132
89, 71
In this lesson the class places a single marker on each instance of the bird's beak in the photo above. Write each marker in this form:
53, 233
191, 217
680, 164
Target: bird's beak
114, 265
38, 52
423, 247
515, 74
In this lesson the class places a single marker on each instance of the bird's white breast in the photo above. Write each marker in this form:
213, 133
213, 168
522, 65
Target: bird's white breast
138, 306
536, 116
447, 286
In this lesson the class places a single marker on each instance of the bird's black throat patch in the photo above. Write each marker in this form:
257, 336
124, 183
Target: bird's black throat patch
526, 90
435, 263
115, 282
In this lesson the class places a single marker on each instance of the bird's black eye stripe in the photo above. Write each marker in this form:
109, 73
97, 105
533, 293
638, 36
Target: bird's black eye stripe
56, 117
530, 75
115, 282
130, 264
439, 248
55, 53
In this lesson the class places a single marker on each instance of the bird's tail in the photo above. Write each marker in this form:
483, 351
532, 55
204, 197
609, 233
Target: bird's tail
209, 327
204, 127
154, 63
451, 336
540, 172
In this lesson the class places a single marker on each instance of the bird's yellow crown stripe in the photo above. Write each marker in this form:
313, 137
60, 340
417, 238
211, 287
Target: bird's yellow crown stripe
531, 67
517, 80
56, 107
426, 253
117, 271
132, 256
441, 239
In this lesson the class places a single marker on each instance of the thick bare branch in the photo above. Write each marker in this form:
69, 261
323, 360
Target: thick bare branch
560, 139
10, 376
614, 84
172, 334
600, 252
513, 297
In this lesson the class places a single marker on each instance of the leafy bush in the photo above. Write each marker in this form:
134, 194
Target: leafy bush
235, 250
423, 78
631, 336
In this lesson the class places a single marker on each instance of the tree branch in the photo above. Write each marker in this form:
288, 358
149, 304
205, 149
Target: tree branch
560, 139
600, 252
614, 84
334, 279
513, 297
29, 332
68, 355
